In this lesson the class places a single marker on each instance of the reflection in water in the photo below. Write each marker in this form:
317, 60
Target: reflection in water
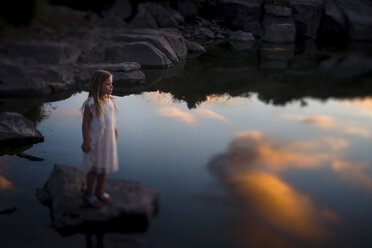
5, 184
254, 149
177, 114
362, 105
327, 122
172, 112
354, 173
274, 213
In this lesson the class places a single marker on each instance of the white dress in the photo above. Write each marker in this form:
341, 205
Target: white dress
102, 155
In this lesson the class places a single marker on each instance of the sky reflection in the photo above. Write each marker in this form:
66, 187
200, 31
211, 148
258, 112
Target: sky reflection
252, 168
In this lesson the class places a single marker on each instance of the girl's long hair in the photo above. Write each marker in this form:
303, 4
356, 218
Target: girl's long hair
96, 81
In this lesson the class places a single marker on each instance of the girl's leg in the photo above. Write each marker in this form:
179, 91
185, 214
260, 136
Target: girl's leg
91, 179
102, 195
101, 180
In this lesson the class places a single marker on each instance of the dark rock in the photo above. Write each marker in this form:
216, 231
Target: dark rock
160, 14
141, 52
334, 22
113, 22
29, 157
58, 78
177, 16
359, 18
15, 81
175, 39
17, 130
123, 73
143, 19
279, 32
159, 41
188, 8
307, 16
8, 210
242, 36
241, 15
121, 9
278, 10
133, 203
194, 48
42, 52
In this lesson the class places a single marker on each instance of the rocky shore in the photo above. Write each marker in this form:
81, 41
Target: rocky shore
136, 42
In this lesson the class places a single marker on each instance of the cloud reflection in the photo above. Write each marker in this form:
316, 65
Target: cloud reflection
354, 173
209, 114
5, 184
255, 149
177, 114
274, 213
327, 122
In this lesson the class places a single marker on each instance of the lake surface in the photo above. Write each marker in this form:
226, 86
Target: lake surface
246, 150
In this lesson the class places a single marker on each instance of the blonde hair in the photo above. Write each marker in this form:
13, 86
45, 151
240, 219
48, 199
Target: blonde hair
96, 81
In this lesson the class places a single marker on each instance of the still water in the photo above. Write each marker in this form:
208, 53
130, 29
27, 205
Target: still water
243, 153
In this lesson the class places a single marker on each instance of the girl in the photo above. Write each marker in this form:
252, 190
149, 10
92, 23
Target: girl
99, 137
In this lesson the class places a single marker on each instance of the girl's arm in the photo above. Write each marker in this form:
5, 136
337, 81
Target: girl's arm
85, 127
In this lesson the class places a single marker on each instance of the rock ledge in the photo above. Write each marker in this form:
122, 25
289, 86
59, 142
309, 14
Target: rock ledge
133, 207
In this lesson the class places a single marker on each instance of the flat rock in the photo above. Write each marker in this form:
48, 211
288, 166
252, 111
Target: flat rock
17, 130
133, 205
43, 52
143, 53
16, 81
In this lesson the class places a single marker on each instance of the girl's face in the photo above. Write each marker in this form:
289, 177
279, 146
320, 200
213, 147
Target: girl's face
106, 87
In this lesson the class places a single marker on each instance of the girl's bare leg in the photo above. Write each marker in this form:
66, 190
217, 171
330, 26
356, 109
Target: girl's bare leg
91, 179
101, 180
104, 197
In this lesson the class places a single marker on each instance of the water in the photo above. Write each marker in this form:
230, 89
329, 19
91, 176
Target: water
245, 152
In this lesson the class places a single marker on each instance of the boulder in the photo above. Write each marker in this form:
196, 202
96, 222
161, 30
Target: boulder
187, 8
241, 15
143, 53
242, 36
176, 40
58, 78
307, 16
177, 16
334, 22
15, 81
278, 25
17, 130
359, 18
123, 73
159, 41
160, 14
133, 205
279, 32
143, 19
43, 52
277, 10
120, 8
194, 48
240, 40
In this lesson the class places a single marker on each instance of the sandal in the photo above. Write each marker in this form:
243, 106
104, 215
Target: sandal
105, 198
92, 201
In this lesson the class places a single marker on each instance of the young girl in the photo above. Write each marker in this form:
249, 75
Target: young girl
99, 137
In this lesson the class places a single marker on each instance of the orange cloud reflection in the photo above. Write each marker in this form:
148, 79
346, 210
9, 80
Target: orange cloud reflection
353, 173
280, 205
5, 184
255, 149
177, 114
274, 213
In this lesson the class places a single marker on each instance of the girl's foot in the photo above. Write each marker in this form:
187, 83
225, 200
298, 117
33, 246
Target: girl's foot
93, 201
105, 198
